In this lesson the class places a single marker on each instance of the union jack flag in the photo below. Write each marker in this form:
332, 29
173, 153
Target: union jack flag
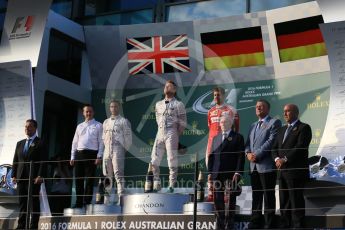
158, 54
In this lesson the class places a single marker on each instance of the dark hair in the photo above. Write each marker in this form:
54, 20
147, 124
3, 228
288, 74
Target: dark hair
32, 121
171, 82
87, 105
266, 102
219, 89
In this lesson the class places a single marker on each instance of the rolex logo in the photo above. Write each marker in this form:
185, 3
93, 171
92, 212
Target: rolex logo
316, 138
194, 125
317, 132
147, 149
193, 130
151, 142
318, 103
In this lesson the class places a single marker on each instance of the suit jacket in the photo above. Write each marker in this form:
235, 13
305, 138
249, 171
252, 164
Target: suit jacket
295, 149
36, 153
260, 142
227, 157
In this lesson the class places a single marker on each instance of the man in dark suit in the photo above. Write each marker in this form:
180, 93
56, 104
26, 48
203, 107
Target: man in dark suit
29, 149
225, 166
290, 153
262, 134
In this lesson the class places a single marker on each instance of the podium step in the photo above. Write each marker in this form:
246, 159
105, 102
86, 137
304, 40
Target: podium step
73, 211
102, 209
154, 203
202, 208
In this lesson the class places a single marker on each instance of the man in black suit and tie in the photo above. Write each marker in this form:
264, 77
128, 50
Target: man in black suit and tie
29, 149
260, 139
225, 165
290, 153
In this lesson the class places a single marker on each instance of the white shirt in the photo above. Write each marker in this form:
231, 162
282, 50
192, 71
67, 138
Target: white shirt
88, 136
225, 134
30, 140
263, 119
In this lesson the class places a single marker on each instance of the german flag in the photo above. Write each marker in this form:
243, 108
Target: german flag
300, 39
233, 48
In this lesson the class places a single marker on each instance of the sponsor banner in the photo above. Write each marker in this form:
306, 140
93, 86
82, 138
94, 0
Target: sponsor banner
332, 149
23, 30
142, 222
311, 94
153, 203
15, 106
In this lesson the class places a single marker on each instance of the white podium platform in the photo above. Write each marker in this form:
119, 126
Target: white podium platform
154, 203
202, 208
74, 211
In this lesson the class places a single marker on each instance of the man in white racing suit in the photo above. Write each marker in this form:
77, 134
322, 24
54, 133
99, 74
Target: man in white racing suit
171, 120
117, 138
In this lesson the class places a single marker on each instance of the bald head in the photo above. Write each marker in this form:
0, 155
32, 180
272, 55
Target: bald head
291, 113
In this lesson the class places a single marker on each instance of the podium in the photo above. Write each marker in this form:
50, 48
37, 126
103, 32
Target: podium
202, 208
102, 209
73, 211
154, 203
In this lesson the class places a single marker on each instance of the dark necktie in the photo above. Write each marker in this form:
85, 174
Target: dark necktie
287, 131
258, 126
26, 147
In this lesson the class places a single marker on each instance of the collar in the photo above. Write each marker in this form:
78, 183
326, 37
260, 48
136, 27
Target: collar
220, 106
32, 137
265, 119
114, 117
293, 123
227, 132
169, 99
90, 121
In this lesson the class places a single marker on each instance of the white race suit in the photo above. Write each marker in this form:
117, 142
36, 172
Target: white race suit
117, 138
171, 120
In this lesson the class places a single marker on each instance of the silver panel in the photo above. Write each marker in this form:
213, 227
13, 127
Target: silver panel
202, 208
154, 203
102, 209
73, 211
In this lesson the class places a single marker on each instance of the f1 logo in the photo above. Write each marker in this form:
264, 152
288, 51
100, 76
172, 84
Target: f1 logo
21, 22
